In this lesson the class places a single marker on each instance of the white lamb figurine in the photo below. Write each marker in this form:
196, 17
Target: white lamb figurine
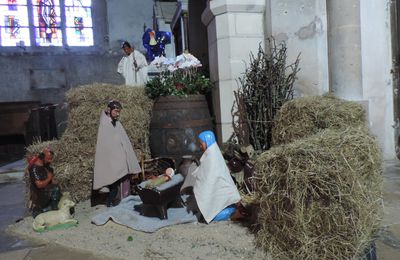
65, 196
55, 217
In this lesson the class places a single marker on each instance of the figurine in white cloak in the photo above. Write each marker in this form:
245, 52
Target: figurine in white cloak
115, 157
213, 187
133, 66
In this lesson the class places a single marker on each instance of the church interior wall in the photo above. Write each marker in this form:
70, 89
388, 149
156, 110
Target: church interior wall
45, 73
353, 66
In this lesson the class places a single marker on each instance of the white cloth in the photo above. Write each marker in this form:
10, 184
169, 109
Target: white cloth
212, 184
115, 156
134, 76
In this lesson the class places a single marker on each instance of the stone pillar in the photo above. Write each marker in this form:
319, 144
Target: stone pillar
235, 28
377, 68
302, 25
344, 45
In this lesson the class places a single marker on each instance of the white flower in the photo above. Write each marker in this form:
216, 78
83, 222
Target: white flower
171, 68
161, 62
183, 61
187, 60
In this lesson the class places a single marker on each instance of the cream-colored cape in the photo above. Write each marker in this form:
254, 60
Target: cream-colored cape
212, 184
115, 156
134, 76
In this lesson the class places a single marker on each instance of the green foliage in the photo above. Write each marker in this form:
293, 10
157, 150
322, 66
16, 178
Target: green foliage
178, 83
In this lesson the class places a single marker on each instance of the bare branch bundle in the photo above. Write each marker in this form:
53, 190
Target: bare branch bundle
267, 84
239, 121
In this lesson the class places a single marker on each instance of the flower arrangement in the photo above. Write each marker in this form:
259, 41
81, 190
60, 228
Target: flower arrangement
180, 77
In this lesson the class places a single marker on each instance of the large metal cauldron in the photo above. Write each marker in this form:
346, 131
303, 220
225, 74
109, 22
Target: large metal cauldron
175, 124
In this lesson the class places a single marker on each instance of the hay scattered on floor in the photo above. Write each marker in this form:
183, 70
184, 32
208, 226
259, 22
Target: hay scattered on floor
74, 160
305, 116
321, 196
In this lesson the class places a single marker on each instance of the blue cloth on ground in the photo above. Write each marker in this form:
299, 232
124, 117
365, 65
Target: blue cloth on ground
124, 214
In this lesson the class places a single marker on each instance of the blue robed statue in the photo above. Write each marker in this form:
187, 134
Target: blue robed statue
154, 42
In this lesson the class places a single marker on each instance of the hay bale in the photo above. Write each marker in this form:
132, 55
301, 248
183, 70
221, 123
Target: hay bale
38, 147
72, 168
320, 197
74, 152
87, 102
305, 116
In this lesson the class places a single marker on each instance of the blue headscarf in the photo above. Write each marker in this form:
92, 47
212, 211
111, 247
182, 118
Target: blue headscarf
207, 137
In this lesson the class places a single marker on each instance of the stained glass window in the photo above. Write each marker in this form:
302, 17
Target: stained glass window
47, 22
52, 21
14, 23
79, 27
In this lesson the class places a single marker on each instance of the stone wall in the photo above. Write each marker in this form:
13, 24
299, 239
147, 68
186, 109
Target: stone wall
345, 48
235, 28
